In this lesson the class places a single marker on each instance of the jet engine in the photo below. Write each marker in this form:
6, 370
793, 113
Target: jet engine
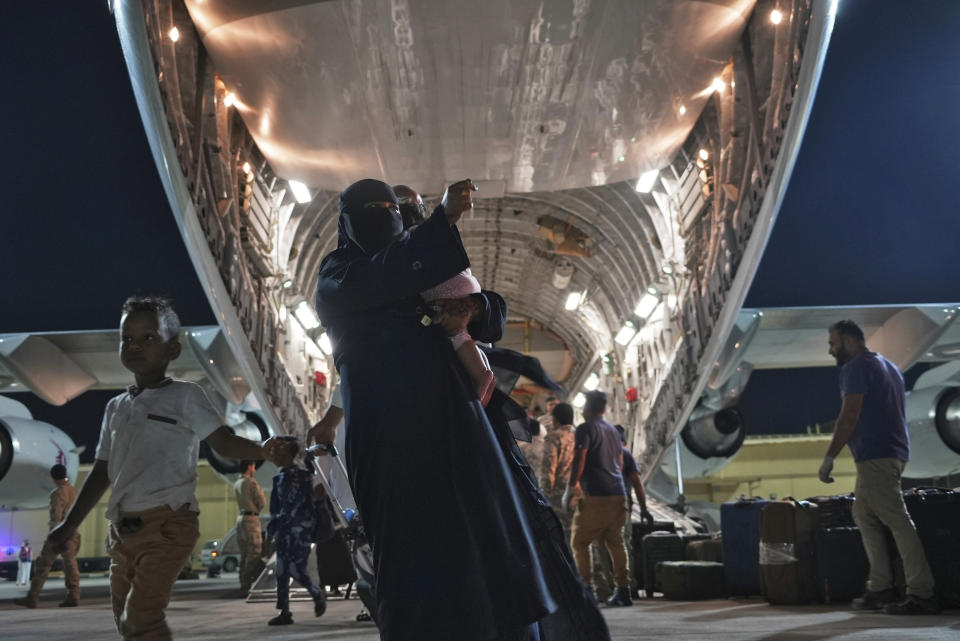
252, 428
933, 420
708, 442
28, 449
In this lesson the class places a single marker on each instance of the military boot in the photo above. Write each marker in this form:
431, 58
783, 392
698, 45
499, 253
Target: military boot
29, 601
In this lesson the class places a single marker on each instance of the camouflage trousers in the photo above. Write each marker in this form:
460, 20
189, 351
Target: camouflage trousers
250, 540
71, 574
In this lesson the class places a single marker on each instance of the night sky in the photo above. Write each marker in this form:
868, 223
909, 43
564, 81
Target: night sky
870, 216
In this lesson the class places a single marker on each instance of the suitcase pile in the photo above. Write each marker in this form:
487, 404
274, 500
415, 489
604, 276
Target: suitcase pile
659, 547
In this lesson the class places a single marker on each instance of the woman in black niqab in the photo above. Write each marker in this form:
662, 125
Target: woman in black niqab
453, 553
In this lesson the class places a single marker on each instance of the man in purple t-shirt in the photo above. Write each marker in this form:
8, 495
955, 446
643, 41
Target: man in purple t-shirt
873, 423
602, 510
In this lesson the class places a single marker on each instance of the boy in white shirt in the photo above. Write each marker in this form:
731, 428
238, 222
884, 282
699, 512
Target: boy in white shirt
147, 456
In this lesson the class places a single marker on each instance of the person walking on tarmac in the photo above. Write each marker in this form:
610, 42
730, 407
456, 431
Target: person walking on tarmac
24, 562
250, 501
292, 520
873, 423
602, 509
61, 498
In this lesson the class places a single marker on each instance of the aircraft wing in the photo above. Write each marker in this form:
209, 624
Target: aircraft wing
790, 337
59, 366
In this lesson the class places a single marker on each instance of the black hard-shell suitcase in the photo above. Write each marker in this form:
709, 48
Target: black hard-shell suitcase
690, 580
640, 529
834, 511
740, 523
936, 515
841, 564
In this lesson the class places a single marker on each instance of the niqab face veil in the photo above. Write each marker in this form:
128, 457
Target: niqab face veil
368, 228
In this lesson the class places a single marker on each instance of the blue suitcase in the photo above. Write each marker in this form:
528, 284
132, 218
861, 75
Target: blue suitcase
740, 524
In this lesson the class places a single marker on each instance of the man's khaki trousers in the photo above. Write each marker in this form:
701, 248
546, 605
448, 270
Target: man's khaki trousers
600, 518
880, 503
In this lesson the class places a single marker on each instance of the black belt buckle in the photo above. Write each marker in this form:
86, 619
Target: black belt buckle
129, 525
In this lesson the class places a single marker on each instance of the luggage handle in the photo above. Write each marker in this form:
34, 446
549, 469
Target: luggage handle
329, 448
341, 519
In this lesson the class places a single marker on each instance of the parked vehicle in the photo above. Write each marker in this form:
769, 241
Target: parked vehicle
224, 554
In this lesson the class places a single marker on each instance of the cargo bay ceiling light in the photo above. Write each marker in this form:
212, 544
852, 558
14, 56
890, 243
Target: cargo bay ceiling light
646, 305
306, 315
626, 333
592, 382
324, 343
647, 180
300, 191
579, 400
174, 34
573, 301
776, 16
229, 99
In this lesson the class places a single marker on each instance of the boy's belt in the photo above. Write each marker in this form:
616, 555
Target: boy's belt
248, 513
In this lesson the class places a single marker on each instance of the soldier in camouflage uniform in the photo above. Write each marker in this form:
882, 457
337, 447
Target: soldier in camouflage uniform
291, 525
61, 498
558, 446
251, 501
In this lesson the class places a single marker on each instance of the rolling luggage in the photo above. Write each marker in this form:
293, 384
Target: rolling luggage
841, 564
640, 529
349, 529
334, 561
936, 515
787, 574
740, 523
690, 580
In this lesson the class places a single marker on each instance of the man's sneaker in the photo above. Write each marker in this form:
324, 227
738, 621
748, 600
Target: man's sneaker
320, 603
284, 618
913, 604
26, 602
69, 602
621, 597
875, 600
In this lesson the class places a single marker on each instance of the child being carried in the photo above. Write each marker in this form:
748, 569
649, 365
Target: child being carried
470, 356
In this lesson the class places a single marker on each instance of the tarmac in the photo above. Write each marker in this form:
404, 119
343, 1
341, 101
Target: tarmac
209, 609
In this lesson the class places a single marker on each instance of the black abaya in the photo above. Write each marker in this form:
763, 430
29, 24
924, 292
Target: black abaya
453, 550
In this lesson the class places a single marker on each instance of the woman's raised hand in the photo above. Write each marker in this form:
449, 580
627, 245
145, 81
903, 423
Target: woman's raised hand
457, 199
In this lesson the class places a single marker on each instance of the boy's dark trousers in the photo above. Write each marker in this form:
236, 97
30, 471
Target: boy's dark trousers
292, 555
148, 550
